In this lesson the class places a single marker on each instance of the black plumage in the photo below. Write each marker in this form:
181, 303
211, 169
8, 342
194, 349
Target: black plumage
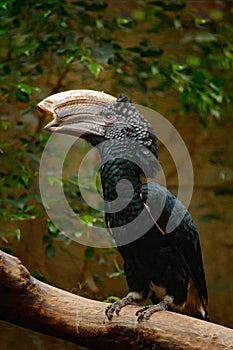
166, 266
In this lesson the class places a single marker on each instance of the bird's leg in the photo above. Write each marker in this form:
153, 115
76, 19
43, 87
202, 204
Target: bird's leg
132, 298
147, 311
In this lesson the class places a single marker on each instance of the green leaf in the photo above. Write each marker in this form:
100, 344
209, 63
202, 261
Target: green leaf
95, 68
5, 124
89, 253
29, 208
139, 15
194, 61
97, 279
111, 299
123, 21
99, 23
88, 219
27, 89
52, 229
215, 112
154, 69
176, 67
22, 200
4, 4
50, 250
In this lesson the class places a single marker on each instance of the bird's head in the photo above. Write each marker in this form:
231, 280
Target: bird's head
97, 117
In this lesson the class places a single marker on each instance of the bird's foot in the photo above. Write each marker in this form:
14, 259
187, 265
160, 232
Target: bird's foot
131, 299
147, 311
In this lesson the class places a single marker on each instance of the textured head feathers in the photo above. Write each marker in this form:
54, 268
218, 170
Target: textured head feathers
128, 123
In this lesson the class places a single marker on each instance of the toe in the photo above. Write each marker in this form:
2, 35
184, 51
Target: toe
140, 318
140, 311
109, 312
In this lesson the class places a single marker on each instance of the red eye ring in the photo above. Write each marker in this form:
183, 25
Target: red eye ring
109, 119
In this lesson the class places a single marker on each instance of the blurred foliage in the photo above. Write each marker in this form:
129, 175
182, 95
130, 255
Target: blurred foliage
46, 44
80, 36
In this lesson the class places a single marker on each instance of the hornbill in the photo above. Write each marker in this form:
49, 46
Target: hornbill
165, 266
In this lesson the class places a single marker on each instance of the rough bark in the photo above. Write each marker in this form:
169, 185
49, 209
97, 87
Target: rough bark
29, 303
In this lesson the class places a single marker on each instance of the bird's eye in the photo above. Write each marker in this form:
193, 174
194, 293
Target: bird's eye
109, 119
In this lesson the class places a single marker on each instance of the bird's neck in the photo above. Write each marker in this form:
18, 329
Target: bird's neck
121, 183
124, 160
119, 177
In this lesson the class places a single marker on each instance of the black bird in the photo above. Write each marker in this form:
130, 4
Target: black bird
165, 266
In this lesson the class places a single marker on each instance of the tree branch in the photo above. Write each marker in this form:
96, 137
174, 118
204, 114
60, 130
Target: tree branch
29, 303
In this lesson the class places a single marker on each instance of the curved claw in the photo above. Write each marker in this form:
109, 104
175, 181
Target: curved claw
114, 307
145, 312
142, 310
143, 316
109, 313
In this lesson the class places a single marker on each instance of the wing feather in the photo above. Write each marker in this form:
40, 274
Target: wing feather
166, 210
